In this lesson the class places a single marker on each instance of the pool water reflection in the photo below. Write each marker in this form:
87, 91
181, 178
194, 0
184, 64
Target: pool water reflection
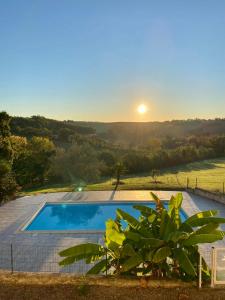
82, 216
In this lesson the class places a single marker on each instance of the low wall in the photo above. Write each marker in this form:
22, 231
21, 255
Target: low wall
207, 194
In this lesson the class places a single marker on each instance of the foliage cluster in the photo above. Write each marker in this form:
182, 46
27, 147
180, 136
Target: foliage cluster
158, 244
45, 151
8, 184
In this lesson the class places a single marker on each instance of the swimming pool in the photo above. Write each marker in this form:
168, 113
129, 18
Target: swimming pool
82, 216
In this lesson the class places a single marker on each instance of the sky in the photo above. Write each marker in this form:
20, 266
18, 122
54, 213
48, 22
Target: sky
97, 60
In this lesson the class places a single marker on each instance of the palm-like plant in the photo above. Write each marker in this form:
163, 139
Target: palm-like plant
157, 244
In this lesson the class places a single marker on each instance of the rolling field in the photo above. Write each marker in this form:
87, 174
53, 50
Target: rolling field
208, 174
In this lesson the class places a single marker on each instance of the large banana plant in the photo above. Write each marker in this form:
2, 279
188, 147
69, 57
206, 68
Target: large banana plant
157, 244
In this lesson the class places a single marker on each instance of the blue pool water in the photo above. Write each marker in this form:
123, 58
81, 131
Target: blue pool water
77, 216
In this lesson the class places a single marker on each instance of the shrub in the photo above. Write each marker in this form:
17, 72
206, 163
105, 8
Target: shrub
157, 244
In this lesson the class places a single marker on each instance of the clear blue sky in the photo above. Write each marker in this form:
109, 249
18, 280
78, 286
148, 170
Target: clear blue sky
98, 59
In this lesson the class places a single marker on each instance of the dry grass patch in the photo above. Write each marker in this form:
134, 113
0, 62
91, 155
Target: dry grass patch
57, 287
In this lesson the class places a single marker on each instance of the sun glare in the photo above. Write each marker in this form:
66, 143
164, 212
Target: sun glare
142, 109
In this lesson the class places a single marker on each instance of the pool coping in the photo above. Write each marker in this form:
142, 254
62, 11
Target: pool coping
23, 226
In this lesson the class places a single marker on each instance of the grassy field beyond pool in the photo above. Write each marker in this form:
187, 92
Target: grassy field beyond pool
210, 175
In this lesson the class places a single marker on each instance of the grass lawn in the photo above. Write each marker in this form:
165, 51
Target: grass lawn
210, 175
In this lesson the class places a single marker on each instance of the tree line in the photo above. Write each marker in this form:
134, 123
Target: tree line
37, 151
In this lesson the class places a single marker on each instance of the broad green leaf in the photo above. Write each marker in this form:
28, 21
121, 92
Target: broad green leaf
113, 235
99, 267
159, 203
88, 258
184, 262
205, 268
176, 236
175, 217
161, 254
186, 228
114, 250
68, 261
175, 202
134, 223
132, 236
151, 242
127, 250
205, 221
145, 210
145, 232
174, 208
200, 215
166, 226
149, 255
113, 246
93, 258
152, 218
131, 262
195, 239
83, 249
208, 228
111, 224
171, 205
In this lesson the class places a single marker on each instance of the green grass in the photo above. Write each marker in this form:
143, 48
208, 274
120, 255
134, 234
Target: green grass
210, 175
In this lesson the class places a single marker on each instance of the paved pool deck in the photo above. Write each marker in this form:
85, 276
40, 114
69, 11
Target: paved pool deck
15, 214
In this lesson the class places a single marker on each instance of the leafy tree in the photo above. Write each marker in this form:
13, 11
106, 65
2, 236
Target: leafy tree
154, 144
33, 162
6, 147
8, 184
218, 144
119, 169
157, 244
136, 162
78, 162
19, 145
108, 159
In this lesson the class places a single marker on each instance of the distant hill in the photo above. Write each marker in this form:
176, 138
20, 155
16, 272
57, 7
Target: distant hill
58, 131
118, 132
133, 132
190, 126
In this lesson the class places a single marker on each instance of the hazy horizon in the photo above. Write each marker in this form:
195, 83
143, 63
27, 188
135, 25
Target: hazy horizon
96, 121
97, 60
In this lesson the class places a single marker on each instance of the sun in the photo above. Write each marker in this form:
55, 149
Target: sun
142, 109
